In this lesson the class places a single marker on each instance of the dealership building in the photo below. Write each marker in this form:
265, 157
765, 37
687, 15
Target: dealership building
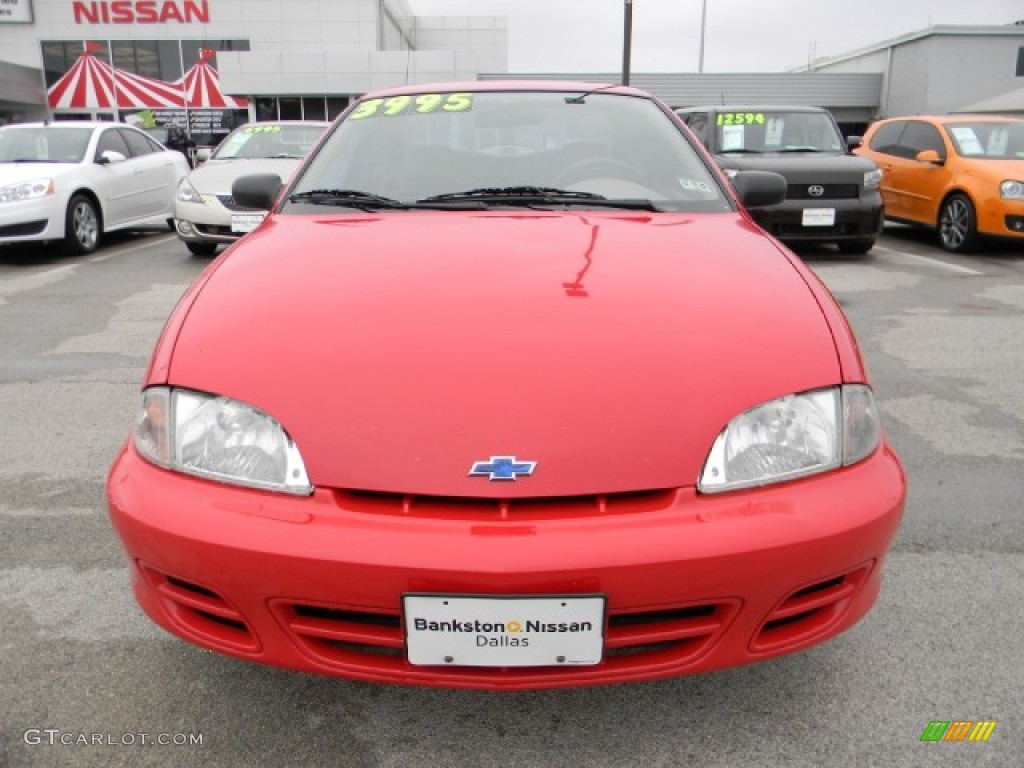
213, 64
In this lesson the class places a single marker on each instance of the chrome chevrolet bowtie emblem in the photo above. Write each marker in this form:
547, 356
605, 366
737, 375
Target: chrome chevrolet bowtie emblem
816, 190
502, 468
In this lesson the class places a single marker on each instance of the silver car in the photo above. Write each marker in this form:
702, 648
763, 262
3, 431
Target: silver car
69, 182
206, 214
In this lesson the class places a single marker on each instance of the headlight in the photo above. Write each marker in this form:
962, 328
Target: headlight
873, 179
792, 437
220, 439
1012, 190
26, 190
187, 193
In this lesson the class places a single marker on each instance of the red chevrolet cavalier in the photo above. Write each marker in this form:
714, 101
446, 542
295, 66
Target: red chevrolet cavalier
507, 391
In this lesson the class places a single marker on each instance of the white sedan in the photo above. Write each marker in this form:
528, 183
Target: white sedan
71, 182
206, 214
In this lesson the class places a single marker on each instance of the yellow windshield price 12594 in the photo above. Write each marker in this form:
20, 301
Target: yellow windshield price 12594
741, 118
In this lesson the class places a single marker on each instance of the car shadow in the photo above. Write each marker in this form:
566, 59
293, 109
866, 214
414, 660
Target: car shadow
810, 253
43, 254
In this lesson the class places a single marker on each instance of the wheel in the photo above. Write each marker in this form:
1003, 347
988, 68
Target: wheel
856, 247
958, 224
598, 168
201, 249
81, 226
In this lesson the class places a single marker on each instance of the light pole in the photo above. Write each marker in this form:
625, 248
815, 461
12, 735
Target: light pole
627, 32
703, 27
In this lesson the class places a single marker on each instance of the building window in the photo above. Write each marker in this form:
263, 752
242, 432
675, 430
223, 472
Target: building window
336, 105
266, 108
149, 58
1020, 62
290, 107
313, 108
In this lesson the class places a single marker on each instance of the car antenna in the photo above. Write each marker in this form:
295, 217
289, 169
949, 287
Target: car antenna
579, 99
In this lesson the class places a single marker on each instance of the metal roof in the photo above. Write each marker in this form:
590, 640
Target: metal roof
941, 30
824, 89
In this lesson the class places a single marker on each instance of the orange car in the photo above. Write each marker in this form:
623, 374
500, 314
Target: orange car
962, 175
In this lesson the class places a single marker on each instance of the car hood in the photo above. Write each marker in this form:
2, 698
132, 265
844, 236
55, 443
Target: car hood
398, 349
12, 173
990, 169
215, 177
803, 167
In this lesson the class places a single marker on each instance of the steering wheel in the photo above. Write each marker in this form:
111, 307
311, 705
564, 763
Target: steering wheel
598, 168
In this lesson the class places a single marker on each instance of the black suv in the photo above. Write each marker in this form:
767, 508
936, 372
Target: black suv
831, 194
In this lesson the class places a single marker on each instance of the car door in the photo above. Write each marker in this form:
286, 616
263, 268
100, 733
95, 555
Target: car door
153, 168
116, 182
885, 149
923, 182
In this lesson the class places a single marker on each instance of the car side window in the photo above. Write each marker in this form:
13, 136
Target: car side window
887, 139
919, 137
111, 139
137, 142
698, 123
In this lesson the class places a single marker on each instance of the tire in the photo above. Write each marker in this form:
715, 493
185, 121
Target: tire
201, 249
856, 247
958, 224
81, 226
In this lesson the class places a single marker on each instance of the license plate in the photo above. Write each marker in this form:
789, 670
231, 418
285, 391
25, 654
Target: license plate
458, 630
246, 222
819, 217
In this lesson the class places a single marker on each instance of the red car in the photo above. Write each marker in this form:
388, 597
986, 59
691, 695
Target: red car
507, 391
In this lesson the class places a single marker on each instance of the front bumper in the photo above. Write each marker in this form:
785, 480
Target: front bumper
855, 220
693, 583
29, 221
1001, 218
209, 222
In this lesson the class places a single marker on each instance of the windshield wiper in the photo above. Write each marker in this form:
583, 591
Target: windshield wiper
352, 198
35, 160
367, 201
741, 151
531, 195
521, 191
799, 149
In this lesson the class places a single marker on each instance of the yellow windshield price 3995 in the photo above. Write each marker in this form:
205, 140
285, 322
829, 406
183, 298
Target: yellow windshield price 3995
422, 104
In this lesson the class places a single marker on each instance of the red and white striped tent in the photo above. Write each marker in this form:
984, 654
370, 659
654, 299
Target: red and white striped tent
93, 84
202, 86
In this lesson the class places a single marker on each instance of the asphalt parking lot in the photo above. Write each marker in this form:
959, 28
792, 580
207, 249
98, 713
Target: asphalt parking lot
86, 680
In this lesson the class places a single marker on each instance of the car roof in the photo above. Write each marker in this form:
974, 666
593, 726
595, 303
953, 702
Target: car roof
510, 86
752, 108
287, 122
960, 117
62, 123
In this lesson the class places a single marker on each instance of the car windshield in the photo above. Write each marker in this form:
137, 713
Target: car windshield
989, 140
269, 140
43, 143
777, 131
510, 148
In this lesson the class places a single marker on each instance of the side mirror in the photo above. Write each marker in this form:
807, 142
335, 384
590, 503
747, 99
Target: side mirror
111, 156
929, 156
758, 188
852, 142
203, 154
258, 190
